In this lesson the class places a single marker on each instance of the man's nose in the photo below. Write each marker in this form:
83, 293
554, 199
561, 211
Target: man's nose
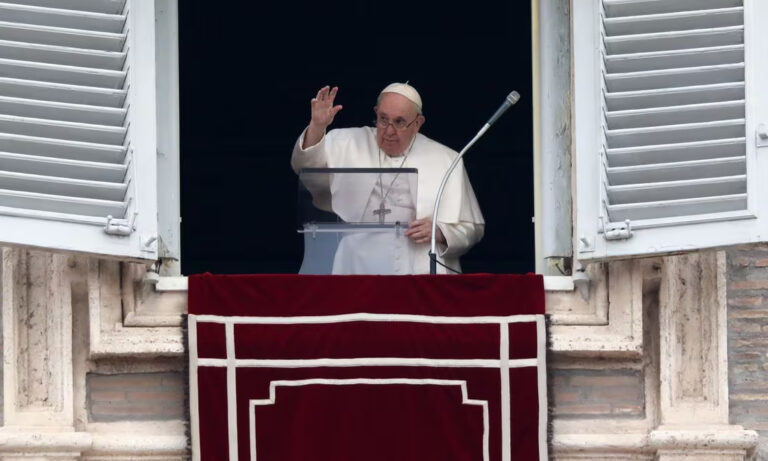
390, 126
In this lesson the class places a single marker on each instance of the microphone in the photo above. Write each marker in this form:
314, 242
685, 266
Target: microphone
511, 100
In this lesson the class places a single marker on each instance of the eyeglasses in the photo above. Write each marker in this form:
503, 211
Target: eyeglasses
399, 123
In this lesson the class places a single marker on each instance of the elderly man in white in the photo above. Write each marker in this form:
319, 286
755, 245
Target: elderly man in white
396, 143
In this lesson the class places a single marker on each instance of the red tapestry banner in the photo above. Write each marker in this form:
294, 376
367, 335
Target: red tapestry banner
288, 367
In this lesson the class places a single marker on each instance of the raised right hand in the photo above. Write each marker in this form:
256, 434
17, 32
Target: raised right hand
323, 110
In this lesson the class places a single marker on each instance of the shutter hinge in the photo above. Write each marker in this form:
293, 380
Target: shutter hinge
120, 226
615, 231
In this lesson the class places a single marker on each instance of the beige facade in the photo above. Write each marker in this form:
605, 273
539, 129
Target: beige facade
94, 365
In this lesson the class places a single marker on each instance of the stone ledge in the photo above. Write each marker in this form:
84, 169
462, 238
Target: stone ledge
144, 445
180, 283
14, 440
88, 444
137, 342
600, 443
711, 440
706, 438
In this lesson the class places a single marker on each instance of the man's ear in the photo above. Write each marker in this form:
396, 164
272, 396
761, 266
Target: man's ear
422, 119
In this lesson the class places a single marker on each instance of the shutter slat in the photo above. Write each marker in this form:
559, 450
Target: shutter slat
75, 38
51, 54
41, 128
59, 148
62, 92
51, 185
674, 96
61, 204
677, 171
680, 152
619, 8
667, 41
671, 78
697, 57
75, 169
80, 113
676, 21
56, 73
677, 190
675, 208
675, 115
689, 132
55, 17
98, 6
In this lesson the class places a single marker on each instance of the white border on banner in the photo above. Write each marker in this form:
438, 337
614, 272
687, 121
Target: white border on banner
367, 317
368, 381
369, 362
194, 409
506, 417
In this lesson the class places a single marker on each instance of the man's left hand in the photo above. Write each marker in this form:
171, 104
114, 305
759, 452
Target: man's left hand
420, 231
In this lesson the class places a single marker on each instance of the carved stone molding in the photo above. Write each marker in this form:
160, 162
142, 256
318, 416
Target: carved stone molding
124, 447
81, 446
144, 306
602, 446
37, 340
570, 308
44, 363
692, 315
610, 321
612, 438
50, 446
714, 443
111, 287
693, 363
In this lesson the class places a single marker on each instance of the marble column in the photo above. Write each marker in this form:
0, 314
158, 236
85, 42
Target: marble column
37, 358
694, 365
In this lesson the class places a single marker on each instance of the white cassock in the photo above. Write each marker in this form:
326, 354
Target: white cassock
459, 218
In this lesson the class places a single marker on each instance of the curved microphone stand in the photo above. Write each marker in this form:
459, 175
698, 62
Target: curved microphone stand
512, 98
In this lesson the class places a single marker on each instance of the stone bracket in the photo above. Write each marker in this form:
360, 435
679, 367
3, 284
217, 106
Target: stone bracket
125, 323
610, 322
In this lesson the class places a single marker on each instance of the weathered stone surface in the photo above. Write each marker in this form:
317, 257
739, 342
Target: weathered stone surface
136, 396
580, 393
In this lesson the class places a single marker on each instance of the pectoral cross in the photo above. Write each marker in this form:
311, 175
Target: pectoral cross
381, 212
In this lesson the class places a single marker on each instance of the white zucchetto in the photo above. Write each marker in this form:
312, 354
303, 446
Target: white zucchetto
406, 90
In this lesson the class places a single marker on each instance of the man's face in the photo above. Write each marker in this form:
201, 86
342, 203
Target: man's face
398, 110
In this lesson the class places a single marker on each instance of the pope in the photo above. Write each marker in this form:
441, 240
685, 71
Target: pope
396, 142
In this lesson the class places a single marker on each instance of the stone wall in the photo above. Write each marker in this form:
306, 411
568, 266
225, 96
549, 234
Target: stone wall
136, 397
748, 340
92, 361
582, 393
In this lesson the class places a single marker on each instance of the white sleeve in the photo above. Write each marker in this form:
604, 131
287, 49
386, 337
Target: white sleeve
465, 226
311, 157
460, 237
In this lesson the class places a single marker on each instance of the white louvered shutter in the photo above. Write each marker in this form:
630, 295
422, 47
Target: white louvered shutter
77, 126
668, 97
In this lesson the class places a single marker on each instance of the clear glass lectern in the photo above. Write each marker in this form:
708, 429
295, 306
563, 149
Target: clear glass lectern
353, 219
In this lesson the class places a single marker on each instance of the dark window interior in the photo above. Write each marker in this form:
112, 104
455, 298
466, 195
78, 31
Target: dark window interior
249, 69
